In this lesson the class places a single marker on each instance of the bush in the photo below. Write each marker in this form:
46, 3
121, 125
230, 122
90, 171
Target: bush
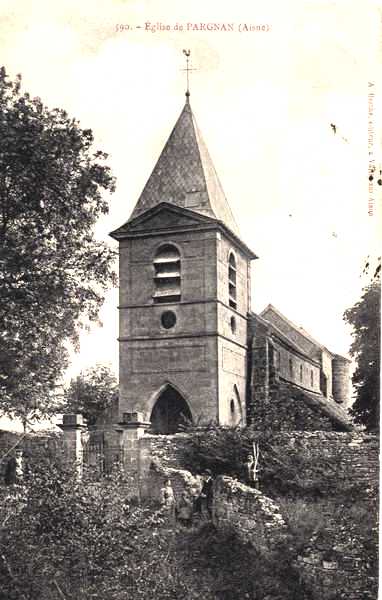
61, 538
229, 569
222, 450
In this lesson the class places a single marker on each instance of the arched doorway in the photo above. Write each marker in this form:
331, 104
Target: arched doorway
169, 412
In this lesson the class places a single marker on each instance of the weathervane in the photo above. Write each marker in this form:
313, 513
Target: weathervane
187, 54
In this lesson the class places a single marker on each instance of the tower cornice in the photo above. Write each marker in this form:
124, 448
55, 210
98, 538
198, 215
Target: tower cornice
142, 226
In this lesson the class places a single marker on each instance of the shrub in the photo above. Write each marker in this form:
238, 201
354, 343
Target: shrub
232, 569
61, 538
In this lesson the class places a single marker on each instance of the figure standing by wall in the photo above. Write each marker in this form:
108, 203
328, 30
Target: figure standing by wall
14, 469
204, 501
184, 509
249, 470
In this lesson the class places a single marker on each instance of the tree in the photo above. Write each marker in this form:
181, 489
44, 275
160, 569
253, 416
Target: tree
92, 392
364, 316
53, 272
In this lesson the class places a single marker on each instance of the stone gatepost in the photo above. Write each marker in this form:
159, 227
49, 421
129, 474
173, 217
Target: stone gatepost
131, 429
73, 427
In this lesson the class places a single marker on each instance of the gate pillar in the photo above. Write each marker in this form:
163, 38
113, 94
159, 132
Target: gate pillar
131, 429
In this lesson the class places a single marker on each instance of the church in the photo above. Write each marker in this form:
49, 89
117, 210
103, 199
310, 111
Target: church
191, 349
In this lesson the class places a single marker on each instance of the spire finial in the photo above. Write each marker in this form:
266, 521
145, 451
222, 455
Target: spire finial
187, 54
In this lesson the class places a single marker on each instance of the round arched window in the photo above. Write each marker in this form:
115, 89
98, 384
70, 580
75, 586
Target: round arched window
167, 274
168, 319
232, 406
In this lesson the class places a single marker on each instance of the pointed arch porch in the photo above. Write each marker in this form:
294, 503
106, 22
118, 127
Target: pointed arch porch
169, 409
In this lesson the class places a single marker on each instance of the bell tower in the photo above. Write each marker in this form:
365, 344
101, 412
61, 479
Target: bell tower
184, 293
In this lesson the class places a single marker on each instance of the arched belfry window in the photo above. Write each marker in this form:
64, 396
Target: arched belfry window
232, 281
167, 274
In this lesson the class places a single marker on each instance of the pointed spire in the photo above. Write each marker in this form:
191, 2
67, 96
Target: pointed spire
185, 176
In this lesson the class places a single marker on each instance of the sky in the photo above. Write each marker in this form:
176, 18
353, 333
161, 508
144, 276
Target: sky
265, 93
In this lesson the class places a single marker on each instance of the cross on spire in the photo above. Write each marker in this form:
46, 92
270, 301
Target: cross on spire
187, 54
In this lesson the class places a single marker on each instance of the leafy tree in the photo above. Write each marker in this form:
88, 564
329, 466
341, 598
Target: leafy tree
53, 272
92, 392
364, 316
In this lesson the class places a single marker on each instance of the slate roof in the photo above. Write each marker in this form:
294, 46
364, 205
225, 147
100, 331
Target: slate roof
185, 176
296, 333
282, 336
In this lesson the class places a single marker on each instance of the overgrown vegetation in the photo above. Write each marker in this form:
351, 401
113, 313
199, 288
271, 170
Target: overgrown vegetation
318, 501
230, 569
293, 473
62, 538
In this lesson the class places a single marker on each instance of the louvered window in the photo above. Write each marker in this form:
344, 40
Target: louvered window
167, 275
232, 281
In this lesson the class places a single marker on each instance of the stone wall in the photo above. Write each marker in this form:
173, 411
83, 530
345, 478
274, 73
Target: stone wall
297, 369
273, 368
256, 518
149, 458
161, 459
334, 566
258, 368
166, 449
337, 563
356, 453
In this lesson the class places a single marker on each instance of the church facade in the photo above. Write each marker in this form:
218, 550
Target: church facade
191, 350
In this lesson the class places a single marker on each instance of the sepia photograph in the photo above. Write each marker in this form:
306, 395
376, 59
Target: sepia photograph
190, 291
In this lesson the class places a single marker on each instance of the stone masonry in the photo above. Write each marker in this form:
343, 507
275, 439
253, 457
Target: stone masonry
255, 518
